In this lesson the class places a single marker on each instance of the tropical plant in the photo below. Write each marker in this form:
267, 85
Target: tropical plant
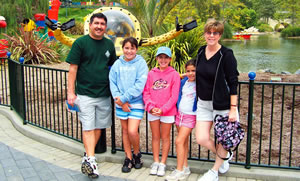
61, 49
30, 46
184, 47
151, 14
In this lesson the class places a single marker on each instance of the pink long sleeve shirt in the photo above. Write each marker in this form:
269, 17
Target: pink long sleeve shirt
161, 91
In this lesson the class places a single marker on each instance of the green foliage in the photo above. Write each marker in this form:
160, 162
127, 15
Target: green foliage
78, 14
290, 31
15, 11
279, 27
215, 8
288, 9
78, 29
227, 31
30, 46
184, 47
206, 9
62, 50
180, 11
151, 14
264, 28
265, 8
241, 19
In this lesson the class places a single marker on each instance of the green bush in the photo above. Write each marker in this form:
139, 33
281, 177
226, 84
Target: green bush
77, 29
264, 28
290, 31
277, 27
227, 31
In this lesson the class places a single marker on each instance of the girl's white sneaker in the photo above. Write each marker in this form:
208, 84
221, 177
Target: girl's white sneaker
154, 168
161, 170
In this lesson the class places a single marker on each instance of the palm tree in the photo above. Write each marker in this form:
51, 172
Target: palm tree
151, 14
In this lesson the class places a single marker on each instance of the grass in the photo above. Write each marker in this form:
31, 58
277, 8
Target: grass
78, 14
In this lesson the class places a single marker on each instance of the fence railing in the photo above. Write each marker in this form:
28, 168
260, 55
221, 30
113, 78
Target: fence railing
268, 111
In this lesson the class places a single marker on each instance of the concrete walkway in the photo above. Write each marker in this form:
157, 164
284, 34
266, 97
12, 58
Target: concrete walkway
28, 153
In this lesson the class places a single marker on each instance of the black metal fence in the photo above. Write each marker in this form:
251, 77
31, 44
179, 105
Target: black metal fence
4, 85
269, 112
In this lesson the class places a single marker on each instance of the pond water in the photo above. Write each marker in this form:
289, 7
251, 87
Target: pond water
268, 51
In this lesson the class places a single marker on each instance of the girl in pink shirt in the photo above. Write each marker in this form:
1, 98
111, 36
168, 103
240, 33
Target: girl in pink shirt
160, 96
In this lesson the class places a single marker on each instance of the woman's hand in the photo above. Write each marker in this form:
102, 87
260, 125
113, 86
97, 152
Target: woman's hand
232, 116
126, 107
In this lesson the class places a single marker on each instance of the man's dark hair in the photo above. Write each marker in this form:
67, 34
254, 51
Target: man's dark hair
132, 41
98, 15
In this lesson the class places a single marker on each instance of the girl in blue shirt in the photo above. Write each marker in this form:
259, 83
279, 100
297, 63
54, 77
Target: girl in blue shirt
127, 78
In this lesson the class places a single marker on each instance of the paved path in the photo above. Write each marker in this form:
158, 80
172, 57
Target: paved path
24, 159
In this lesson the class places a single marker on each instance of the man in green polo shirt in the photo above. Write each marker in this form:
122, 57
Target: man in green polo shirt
90, 58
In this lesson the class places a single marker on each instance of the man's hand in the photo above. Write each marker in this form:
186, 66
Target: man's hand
71, 98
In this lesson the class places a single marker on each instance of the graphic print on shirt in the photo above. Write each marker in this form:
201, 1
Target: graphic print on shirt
107, 54
160, 84
190, 90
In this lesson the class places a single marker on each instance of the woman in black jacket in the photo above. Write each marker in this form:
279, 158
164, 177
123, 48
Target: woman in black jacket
216, 87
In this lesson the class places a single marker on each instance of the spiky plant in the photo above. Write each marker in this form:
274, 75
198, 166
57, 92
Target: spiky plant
183, 48
34, 49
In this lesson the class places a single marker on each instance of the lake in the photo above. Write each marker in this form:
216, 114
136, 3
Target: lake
268, 51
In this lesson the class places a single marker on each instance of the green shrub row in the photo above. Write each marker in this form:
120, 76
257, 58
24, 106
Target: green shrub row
264, 28
290, 31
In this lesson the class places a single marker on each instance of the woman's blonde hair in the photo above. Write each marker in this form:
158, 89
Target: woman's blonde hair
215, 25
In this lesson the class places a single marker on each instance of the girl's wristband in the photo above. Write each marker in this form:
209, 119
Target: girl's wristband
233, 105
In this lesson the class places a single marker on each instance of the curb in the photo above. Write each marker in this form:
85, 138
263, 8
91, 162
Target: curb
72, 146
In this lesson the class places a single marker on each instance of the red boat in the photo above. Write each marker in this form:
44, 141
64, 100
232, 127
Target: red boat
242, 36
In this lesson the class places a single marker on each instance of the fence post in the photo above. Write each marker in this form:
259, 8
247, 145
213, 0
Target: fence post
22, 88
16, 84
113, 128
251, 76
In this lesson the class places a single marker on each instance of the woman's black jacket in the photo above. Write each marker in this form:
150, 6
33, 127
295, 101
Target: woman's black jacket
226, 79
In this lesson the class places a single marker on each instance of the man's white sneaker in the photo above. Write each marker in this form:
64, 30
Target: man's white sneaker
84, 159
161, 170
154, 168
91, 167
186, 170
176, 175
225, 166
209, 176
